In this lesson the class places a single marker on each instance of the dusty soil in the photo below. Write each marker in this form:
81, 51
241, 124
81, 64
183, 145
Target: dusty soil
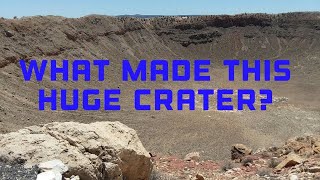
292, 36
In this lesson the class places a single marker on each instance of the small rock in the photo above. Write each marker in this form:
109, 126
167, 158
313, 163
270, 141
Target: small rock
199, 177
49, 175
74, 177
8, 33
194, 156
293, 177
56, 165
291, 160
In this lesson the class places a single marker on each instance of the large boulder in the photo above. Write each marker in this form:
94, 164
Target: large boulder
291, 160
239, 151
96, 151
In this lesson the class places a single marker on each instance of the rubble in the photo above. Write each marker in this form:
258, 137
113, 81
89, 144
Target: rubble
290, 161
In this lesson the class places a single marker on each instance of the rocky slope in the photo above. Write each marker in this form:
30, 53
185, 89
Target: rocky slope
297, 159
293, 36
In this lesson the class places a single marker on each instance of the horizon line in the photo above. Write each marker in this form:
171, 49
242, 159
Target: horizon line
155, 15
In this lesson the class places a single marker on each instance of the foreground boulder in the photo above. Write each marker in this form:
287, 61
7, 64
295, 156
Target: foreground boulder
96, 151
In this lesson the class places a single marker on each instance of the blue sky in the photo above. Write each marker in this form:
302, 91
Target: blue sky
77, 8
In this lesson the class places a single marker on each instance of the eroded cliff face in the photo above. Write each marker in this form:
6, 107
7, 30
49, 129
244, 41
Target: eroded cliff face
259, 36
235, 36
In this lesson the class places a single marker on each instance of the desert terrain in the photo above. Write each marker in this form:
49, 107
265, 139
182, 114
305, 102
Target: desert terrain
294, 112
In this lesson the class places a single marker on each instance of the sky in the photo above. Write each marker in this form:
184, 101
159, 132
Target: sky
78, 8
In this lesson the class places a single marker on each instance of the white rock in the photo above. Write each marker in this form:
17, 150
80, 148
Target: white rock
293, 177
56, 165
194, 156
49, 175
74, 178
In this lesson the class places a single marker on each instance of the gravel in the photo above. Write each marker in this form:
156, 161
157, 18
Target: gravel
17, 172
